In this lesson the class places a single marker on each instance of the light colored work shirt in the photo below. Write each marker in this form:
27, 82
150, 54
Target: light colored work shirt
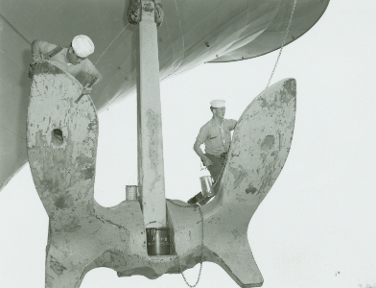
60, 61
216, 138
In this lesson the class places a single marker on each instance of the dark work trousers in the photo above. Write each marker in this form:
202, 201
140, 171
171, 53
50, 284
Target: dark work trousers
216, 169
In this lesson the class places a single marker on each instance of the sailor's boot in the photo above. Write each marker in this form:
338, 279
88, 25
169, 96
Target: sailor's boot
196, 199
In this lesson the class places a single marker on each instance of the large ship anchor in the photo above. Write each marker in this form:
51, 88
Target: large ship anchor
62, 143
62, 138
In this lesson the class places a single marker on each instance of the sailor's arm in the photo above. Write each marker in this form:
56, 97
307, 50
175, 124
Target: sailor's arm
96, 76
232, 124
35, 50
40, 48
204, 158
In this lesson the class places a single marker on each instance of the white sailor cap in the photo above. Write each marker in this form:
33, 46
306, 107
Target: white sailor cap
218, 103
82, 46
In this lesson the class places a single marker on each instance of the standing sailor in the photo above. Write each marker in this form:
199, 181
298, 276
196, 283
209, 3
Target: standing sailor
216, 136
72, 60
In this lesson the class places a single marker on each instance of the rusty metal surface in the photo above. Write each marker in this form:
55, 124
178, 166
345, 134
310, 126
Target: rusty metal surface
151, 180
63, 174
84, 235
260, 145
258, 152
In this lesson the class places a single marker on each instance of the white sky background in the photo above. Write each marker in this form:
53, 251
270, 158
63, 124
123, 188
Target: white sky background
319, 218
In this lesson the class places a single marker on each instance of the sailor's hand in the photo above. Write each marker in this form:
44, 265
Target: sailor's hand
38, 57
207, 162
86, 90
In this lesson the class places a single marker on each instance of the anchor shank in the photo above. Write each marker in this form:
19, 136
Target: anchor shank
150, 144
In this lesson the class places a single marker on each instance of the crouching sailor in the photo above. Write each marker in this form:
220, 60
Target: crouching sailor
216, 137
73, 60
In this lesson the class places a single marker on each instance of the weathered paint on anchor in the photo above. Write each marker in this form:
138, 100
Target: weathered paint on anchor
84, 235
48, 149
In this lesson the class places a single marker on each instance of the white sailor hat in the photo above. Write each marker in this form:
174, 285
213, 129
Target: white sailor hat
218, 103
82, 46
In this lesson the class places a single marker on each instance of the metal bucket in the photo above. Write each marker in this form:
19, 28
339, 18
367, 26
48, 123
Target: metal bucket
131, 192
207, 186
158, 240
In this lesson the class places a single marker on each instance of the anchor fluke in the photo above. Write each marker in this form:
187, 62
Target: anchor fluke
261, 144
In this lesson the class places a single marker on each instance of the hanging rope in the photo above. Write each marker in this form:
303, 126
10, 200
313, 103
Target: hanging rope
282, 44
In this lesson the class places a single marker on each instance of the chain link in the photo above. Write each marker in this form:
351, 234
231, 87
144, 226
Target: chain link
282, 45
202, 253
202, 246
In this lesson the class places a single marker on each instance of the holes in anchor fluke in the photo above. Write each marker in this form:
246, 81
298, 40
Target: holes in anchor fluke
57, 137
268, 142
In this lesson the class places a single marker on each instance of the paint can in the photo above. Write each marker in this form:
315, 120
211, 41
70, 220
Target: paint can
131, 192
207, 186
158, 240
